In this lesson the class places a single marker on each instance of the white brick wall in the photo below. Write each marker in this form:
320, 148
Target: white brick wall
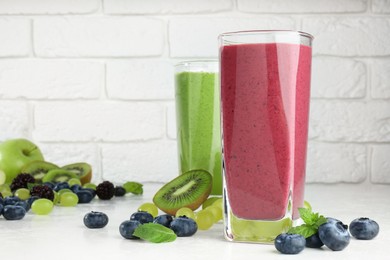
92, 80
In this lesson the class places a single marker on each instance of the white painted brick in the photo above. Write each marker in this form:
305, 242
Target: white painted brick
354, 121
354, 36
380, 164
302, 6
337, 162
14, 120
50, 79
140, 79
48, 6
98, 121
154, 161
338, 78
98, 36
380, 79
15, 37
165, 7
171, 121
202, 39
62, 154
381, 6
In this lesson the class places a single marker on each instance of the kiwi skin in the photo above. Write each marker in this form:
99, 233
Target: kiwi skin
54, 175
193, 188
38, 169
82, 170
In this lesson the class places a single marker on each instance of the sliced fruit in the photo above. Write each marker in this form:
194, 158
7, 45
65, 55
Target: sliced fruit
59, 175
82, 170
189, 190
38, 169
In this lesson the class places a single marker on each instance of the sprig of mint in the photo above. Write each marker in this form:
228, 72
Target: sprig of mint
154, 233
312, 222
133, 187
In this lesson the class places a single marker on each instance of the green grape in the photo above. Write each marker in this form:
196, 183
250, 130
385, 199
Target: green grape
60, 192
189, 213
4, 187
90, 185
56, 199
150, 208
216, 211
42, 206
22, 193
6, 193
68, 199
209, 202
74, 181
204, 219
307, 205
218, 203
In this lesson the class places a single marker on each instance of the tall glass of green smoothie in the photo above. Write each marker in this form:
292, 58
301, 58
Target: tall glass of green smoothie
198, 119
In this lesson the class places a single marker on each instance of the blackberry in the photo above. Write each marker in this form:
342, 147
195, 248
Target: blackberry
120, 191
42, 191
21, 181
105, 190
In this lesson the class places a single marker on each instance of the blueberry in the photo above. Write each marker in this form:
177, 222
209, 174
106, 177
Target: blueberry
364, 228
61, 185
334, 235
1, 209
92, 191
75, 188
183, 226
290, 243
95, 219
13, 212
85, 196
142, 216
120, 191
164, 220
24, 204
11, 200
49, 184
332, 220
126, 228
314, 241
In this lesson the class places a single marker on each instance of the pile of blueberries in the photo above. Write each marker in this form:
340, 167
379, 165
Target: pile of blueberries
182, 226
333, 234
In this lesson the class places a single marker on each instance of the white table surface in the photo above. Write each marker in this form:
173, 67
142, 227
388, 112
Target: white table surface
62, 234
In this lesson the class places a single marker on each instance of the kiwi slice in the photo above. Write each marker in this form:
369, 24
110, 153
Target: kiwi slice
38, 169
82, 170
189, 190
59, 175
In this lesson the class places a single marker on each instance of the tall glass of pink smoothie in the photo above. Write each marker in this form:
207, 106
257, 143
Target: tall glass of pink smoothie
265, 94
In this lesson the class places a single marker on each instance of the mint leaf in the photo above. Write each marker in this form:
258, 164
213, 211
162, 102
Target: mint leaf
304, 230
154, 233
321, 220
307, 216
133, 187
312, 222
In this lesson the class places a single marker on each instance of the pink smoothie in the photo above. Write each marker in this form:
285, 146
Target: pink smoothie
265, 90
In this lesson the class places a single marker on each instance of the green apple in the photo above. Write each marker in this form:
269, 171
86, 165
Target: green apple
14, 154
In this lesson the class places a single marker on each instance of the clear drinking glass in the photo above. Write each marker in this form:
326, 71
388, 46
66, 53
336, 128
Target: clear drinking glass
265, 94
198, 118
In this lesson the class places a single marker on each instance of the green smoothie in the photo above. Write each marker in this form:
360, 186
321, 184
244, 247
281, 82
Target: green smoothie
198, 124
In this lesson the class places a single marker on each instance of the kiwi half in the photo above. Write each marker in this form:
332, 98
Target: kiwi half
59, 175
189, 189
82, 170
38, 169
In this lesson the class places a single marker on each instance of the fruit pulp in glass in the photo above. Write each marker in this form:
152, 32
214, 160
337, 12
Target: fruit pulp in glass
198, 124
265, 90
